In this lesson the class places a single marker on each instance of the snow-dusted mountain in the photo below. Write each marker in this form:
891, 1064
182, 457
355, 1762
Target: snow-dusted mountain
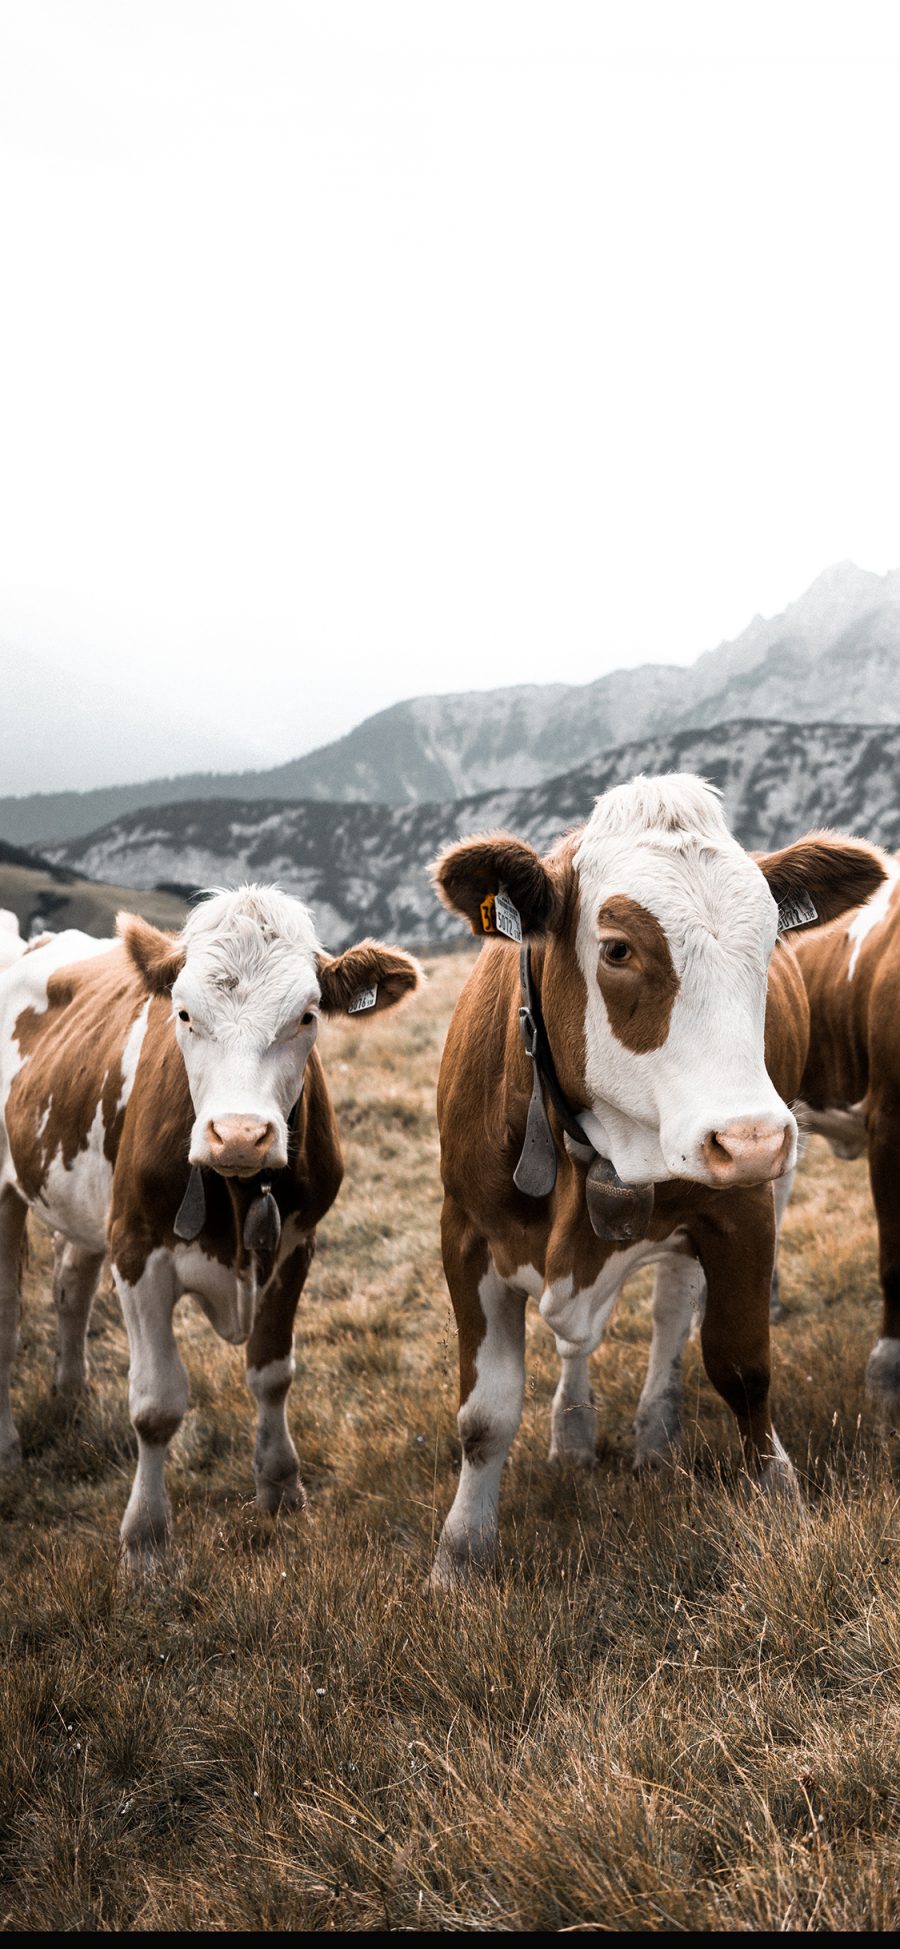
834, 655
363, 867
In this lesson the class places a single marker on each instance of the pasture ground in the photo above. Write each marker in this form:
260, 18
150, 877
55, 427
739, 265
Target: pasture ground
673, 1708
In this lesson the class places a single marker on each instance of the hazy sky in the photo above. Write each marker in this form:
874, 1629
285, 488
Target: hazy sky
350, 351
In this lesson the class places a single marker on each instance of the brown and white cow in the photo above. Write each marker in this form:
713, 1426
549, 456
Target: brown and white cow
850, 1088
134, 1073
678, 1030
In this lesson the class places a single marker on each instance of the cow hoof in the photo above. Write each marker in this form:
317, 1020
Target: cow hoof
10, 1453
143, 1539
449, 1573
71, 1388
458, 1563
883, 1380
777, 1479
654, 1459
287, 1494
779, 1482
141, 1558
657, 1440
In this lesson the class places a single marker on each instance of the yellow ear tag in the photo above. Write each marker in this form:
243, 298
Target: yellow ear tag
499, 916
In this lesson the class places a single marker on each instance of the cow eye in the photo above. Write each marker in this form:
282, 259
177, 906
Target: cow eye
183, 1015
615, 953
306, 1019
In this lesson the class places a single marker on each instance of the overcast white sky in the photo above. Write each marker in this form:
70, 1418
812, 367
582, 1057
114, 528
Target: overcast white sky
353, 351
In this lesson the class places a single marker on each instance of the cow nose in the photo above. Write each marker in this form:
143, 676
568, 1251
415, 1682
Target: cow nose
748, 1152
238, 1143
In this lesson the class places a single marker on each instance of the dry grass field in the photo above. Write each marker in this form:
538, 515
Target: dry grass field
671, 1708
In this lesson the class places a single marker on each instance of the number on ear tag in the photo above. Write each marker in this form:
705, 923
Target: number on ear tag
795, 910
499, 916
364, 998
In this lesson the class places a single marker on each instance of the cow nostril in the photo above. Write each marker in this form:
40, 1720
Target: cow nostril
745, 1148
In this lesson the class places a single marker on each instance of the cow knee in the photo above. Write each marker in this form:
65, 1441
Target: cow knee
745, 1390
158, 1425
486, 1435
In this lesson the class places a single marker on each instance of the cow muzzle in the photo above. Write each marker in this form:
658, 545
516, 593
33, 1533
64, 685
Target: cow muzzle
241, 1146
752, 1151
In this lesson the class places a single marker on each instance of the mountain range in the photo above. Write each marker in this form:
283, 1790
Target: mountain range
363, 867
832, 656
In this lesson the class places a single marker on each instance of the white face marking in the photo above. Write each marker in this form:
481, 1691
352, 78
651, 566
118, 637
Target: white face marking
663, 843
245, 1008
872, 914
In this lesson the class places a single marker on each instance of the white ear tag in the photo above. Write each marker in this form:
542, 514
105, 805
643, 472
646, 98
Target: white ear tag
795, 910
364, 998
507, 919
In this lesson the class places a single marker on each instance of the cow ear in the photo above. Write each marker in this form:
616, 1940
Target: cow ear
821, 872
366, 978
156, 956
470, 876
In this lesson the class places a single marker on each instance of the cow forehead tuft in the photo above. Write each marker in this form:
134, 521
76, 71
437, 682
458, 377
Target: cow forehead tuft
250, 915
672, 804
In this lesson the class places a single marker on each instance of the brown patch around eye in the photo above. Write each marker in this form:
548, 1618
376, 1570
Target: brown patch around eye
640, 992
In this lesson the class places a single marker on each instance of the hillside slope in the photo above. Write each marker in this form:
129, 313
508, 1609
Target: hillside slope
40, 897
832, 656
363, 868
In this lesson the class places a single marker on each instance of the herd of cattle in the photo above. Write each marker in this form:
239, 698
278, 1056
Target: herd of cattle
615, 1090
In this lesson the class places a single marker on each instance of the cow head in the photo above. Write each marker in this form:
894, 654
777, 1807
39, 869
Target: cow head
248, 983
657, 930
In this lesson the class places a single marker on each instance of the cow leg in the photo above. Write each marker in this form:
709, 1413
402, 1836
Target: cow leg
573, 1425
490, 1319
883, 1369
270, 1371
157, 1399
736, 1248
783, 1190
677, 1294
13, 1213
75, 1276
